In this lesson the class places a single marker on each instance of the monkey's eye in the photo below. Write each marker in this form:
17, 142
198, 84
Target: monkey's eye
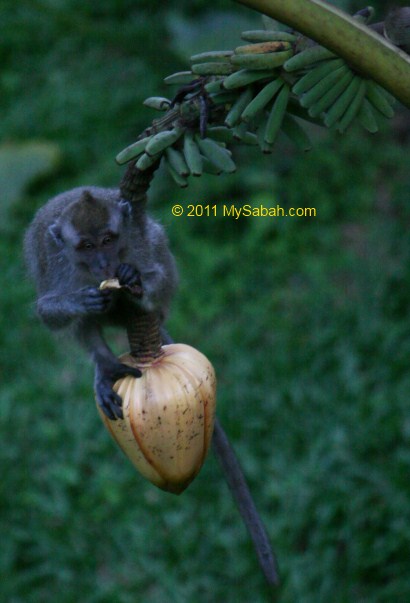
85, 246
109, 239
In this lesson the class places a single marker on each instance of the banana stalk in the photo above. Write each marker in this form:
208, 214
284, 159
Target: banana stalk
169, 412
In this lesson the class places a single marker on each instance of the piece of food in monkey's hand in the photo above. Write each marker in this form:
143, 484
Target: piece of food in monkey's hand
114, 283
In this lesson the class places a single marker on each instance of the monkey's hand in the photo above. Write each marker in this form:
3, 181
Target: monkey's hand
128, 276
106, 374
91, 300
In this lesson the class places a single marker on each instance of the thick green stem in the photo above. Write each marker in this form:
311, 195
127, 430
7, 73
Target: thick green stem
364, 49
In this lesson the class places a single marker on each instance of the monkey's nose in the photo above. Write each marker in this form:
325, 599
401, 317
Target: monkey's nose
108, 272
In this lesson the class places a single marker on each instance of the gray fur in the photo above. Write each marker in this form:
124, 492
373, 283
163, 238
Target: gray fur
68, 294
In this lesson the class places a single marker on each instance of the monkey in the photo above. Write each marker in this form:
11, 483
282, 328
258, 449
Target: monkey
90, 234
80, 238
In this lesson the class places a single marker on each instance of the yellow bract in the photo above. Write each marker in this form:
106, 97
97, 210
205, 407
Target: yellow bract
168, 416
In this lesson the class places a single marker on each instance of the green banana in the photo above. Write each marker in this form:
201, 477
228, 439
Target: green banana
389, 97
277, 114
210, 168
243, 78
192, 154
212, 68
216, 154
265, 147
296, 133
157, 102
367, 118
353, 107
224, 98
262, 48
220, 134
180, 77
378, 99
249, 138
145, 161
241, 134
331, 95
234, 114
176, 159
212, 55
314, 75
133, 150
268, 36
159, 142
240, 130
268, 60
310, 97
342, 103
214, 87
310, 55
180, 180
259, 102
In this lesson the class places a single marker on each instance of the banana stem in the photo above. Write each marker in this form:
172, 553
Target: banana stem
134, 186
364, 49
144, 336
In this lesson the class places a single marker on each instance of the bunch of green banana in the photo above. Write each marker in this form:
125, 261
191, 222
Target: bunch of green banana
377, 102
257, 87
330, 90
197, 155
185, 152
148, 150
269, 128
265, 53
215, 62
308, 56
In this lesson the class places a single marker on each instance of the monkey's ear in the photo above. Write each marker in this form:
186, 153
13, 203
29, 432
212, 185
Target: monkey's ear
55, 231
125, 207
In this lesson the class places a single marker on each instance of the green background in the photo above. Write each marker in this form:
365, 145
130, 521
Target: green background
305, 319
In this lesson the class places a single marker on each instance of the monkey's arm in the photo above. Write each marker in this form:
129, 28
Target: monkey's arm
58, 311
157, 286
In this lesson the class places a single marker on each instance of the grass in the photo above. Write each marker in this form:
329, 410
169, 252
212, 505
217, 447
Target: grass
305, 320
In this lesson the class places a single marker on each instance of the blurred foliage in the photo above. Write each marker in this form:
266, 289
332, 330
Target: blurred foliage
305, 319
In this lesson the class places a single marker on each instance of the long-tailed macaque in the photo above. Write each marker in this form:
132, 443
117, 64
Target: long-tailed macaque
87, 235
80, 238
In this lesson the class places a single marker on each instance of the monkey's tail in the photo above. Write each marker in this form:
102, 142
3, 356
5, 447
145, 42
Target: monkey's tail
243, 498
239, 489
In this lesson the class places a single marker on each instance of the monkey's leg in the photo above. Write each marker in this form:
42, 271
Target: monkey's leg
108, 369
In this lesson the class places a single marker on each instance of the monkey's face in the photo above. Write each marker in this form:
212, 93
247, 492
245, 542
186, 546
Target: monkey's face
94, 234
99, 255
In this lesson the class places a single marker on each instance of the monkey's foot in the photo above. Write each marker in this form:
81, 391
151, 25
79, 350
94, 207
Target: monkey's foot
107, 399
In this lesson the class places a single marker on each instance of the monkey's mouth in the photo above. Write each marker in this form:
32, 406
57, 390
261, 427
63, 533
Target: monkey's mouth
101, 274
